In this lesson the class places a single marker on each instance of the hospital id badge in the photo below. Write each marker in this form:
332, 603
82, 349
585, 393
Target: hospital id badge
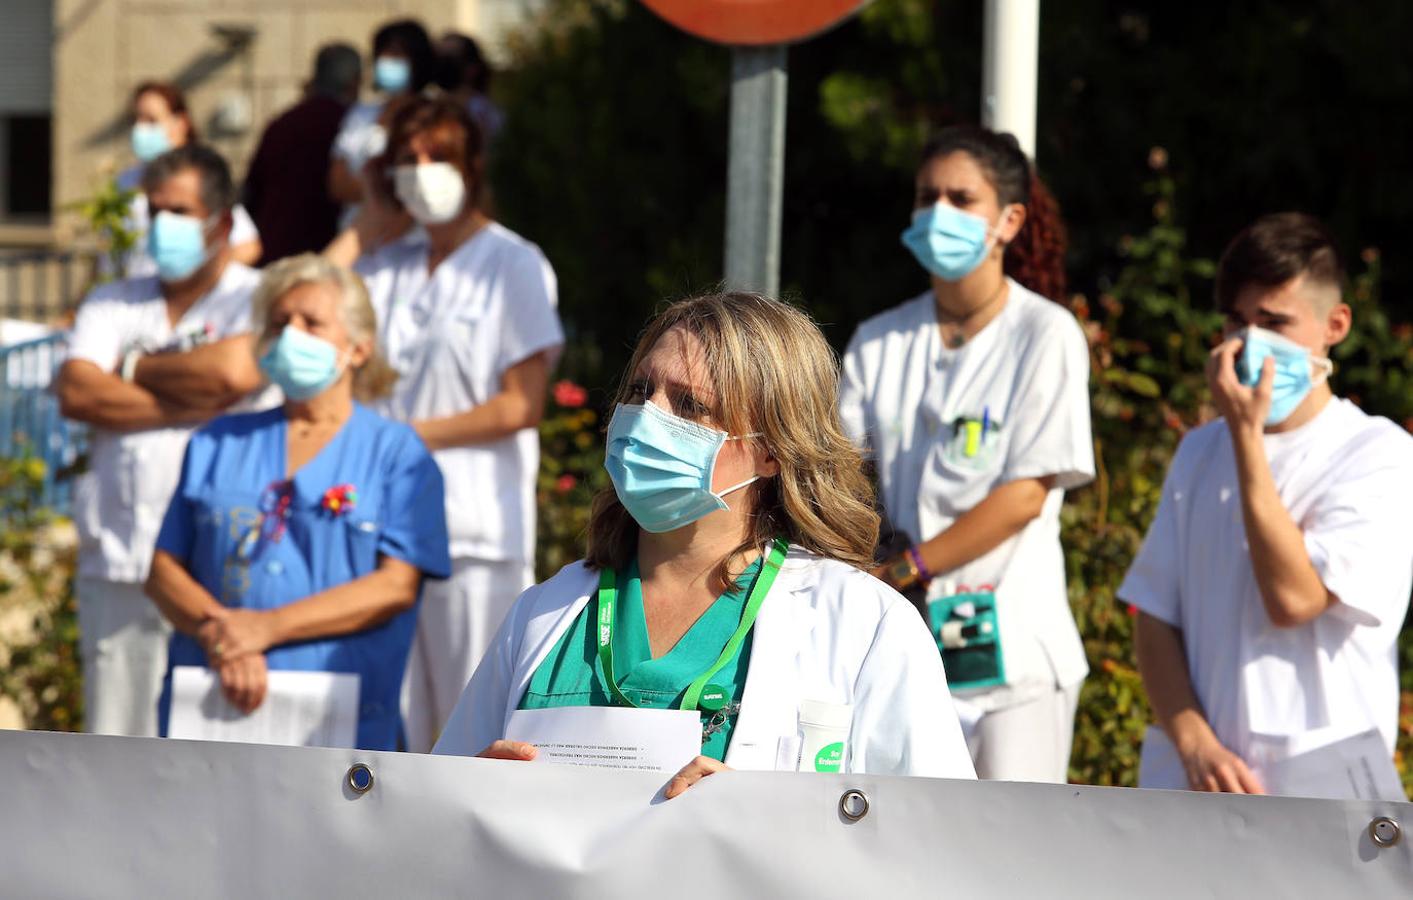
968, 635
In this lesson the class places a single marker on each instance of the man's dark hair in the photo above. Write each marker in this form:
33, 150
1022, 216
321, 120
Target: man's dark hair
1273, 250
460, 61
217, 189
337, 70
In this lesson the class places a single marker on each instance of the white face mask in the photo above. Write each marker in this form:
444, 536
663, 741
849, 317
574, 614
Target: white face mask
432, 192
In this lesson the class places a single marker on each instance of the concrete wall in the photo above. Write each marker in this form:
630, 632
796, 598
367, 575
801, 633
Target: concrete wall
103, 48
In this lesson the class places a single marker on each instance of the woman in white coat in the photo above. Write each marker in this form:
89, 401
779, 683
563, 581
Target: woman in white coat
729, 552
973, 399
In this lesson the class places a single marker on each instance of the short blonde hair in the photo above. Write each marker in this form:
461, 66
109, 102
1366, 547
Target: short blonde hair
373, 379
772, 372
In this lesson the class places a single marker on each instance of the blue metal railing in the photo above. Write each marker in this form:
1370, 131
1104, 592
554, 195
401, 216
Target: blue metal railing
30, 423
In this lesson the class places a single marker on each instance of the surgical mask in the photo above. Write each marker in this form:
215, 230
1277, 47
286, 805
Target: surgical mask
1293, 376
662, 466
149, 140
301, 364
948, 242
432, 192
177, 243
392, 74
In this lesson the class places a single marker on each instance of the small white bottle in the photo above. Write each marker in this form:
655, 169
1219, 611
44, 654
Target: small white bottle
824, 735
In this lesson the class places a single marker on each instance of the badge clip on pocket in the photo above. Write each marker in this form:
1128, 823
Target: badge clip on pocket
969, 637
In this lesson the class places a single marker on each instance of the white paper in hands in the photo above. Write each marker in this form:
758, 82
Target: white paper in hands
301, 709
1354, 768
610, 737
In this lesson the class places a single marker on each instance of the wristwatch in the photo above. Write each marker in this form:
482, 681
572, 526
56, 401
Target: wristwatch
902, 571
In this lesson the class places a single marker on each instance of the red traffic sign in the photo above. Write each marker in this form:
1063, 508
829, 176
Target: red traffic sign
755, 22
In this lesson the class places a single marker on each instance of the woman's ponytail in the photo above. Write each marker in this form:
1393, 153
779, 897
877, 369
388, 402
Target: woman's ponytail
1036, 256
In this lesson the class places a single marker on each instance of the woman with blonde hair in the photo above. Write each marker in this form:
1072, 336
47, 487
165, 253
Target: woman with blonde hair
299, 537
725, 571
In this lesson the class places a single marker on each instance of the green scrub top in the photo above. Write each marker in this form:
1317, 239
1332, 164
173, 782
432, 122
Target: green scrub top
572, 675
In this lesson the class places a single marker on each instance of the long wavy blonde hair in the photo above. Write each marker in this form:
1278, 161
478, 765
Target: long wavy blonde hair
772, 372
373, 379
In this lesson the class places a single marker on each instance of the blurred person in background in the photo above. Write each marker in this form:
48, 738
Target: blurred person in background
467, 317
149, 359
285, 187
299, 537
403, 64
1274, 580
974, 401
465, 75
162, 122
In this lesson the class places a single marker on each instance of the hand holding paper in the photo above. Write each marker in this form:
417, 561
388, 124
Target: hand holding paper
643, 740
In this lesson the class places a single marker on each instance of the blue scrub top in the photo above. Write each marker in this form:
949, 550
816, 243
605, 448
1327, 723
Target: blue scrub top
227, 486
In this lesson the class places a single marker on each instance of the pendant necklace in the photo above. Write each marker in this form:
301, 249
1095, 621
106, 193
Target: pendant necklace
957, 339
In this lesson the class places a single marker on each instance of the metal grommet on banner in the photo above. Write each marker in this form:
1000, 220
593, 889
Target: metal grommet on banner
360, 778
853, 805
1385, 832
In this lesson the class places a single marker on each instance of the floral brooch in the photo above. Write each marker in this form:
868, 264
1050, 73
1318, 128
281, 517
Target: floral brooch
340, 499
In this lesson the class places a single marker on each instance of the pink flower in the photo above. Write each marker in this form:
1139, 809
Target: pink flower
566, 483
570, 395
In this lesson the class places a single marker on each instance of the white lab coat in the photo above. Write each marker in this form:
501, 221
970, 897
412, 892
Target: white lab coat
826, 632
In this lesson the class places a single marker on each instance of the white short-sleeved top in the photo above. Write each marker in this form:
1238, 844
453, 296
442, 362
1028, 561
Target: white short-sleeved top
1346, 478
138, 263
904, 397
451, 336
360, 137
119, 503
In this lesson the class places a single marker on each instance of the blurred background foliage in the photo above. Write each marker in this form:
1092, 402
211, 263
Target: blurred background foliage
613, 159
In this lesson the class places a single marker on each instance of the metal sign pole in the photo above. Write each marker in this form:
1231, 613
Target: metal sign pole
1010, 68
756, 169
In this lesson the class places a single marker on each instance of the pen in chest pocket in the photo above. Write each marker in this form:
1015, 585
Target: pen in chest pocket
973, 432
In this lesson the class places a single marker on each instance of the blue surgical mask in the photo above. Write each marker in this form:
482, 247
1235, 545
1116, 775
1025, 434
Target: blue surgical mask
149, 140
392, 74
662, 466
948, 242
301, 364
1293, 376
177, 244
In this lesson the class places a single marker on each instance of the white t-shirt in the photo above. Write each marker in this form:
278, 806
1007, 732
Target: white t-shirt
119, 503
452, 336
138, 263
360, 137
1346, 479
1025, 375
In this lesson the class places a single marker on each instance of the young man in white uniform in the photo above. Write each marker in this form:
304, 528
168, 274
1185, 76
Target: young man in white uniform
1275, 577
149, 359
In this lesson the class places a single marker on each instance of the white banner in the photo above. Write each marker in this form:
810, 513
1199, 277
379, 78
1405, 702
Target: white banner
88, 816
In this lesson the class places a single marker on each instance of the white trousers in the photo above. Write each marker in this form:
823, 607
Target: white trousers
455, 624
1027, 742
123, 649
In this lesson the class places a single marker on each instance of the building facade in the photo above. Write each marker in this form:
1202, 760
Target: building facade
68, 68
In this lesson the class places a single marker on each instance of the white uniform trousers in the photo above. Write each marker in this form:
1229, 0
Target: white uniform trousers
455, 623
123, 650
1027, 742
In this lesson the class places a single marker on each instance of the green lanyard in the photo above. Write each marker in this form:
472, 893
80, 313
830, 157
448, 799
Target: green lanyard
607, 600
